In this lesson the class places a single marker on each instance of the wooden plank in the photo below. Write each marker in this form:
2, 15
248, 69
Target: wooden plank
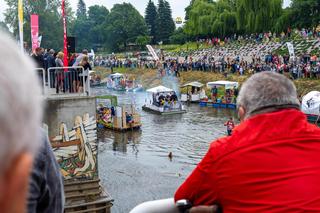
68, 183
85, 194
57, 138
65, 144
101, 200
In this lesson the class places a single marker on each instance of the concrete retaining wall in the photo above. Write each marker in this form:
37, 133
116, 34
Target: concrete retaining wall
65, 109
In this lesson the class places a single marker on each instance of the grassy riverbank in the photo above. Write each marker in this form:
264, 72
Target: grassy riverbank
149, 78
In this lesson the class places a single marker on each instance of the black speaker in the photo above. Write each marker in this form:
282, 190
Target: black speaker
71, 44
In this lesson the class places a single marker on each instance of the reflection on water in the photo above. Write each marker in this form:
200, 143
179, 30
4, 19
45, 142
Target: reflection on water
121, 142
187, 135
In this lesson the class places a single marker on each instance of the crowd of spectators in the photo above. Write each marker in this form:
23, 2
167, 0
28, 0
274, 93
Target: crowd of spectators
70, 80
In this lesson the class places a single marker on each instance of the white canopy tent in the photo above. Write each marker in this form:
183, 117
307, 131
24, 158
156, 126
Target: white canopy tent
116, 75
226, 84
159, 89
311, 103
193, 84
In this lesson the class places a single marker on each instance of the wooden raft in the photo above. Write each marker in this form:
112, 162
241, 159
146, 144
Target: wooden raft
86, 196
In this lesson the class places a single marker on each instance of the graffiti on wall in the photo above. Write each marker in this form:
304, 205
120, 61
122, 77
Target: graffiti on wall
76, 149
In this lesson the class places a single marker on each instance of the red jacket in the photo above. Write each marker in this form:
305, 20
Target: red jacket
271, 163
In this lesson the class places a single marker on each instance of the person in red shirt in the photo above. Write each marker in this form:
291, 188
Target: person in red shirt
230, 126
271, 161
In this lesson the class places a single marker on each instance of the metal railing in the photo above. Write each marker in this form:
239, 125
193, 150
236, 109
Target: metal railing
71, 81
42, 76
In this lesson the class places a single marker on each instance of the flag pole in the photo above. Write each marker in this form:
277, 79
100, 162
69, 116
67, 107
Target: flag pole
65, 42
20, 17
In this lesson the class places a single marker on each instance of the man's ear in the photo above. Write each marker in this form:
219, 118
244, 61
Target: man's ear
241, 113
15, 184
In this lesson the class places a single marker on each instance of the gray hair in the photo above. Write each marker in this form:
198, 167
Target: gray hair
267, 91
20, 104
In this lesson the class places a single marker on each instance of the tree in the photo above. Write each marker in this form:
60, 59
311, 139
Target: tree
50, 20
81, 9
179, 36
165, 23
305, 13
201, 18
97, 16
257, 16
123, 26
142, 41
170, 22
151, 20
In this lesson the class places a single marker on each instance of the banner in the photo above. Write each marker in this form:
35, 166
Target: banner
290, 49
65, 42
20, 17
153, 53
39, 41
34, 31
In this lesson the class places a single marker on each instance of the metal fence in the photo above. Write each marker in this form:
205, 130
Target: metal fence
70, 81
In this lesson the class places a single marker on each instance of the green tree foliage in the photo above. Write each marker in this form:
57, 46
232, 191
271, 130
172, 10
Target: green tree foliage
179, 36
123, 26
81, 28
226, 17
165, 22
50, 20
97, 16
284, 21
142, 41
150, 18
81, 9
170, 22
211, 18
257, 16
305, 13
89, 30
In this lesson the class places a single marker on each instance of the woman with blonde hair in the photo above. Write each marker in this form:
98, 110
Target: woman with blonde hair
83, 75
59, 72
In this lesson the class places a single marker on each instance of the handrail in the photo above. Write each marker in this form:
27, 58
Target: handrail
69, 75
43, 76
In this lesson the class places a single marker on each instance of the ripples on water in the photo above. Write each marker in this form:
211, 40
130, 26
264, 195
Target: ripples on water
187, 136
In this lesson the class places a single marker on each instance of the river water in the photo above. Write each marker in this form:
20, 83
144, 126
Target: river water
134, 167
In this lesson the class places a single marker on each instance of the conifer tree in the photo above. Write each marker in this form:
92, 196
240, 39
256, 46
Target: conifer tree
82, 9
151, 20
165, 23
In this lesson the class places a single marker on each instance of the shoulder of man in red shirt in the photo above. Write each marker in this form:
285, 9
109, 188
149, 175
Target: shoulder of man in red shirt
272, 149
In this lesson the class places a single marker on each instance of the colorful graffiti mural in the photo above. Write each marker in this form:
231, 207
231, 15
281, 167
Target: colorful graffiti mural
76, 149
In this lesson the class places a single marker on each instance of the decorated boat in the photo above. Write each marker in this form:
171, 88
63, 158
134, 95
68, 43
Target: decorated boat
193, 92
310, 105
163, 101
116, 82
223, 94
114, 117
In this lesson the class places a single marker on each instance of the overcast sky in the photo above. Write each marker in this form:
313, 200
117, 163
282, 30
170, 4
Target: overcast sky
177, 6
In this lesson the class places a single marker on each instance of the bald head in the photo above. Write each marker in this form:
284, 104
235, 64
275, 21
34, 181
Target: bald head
267, 91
